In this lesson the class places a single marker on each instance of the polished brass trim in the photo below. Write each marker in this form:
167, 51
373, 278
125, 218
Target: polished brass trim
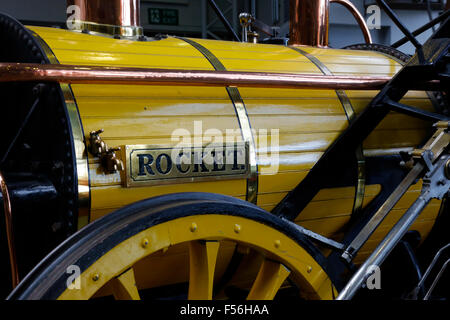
47, 51
84, 197
246, 129
243, 119
196, 164
350, 113
361, 184
9, 232
82, 165
345, 101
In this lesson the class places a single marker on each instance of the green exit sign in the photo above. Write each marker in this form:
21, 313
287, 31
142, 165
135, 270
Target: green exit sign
163, 16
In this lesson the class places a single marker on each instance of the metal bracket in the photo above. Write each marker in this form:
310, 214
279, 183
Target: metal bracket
315, 236
108, 157
248, 22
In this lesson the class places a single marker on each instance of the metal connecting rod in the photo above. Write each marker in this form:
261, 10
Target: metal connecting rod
384, 248
424, 159
436, 184
382, 212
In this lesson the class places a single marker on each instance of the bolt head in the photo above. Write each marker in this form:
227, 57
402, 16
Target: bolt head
237, 228
193, 227
145, 243
277, 243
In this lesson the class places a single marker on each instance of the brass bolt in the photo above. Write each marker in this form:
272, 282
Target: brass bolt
237, 228
309, 269
193, 227
277, 243
144, 243
95, 277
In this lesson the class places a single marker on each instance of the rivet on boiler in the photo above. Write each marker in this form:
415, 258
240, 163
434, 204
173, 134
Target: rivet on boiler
277, 243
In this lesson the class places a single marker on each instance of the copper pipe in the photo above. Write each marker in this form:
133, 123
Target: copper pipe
309, 22
124, 13
9, 232
358, 17
17, 72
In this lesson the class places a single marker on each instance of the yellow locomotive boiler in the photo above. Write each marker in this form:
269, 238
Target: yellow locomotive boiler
178, 167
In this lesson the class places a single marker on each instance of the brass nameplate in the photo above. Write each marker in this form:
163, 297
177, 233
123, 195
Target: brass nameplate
153, 165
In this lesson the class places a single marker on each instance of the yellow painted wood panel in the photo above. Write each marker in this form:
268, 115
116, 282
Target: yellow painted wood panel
308, 120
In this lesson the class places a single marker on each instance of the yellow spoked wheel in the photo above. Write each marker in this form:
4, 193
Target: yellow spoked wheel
107, 252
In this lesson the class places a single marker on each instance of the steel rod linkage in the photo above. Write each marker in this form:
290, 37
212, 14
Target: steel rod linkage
433, 163
423, 159
415, 293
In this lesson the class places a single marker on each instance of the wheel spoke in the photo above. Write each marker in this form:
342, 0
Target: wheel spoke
124, 286
202, 264
270, 277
